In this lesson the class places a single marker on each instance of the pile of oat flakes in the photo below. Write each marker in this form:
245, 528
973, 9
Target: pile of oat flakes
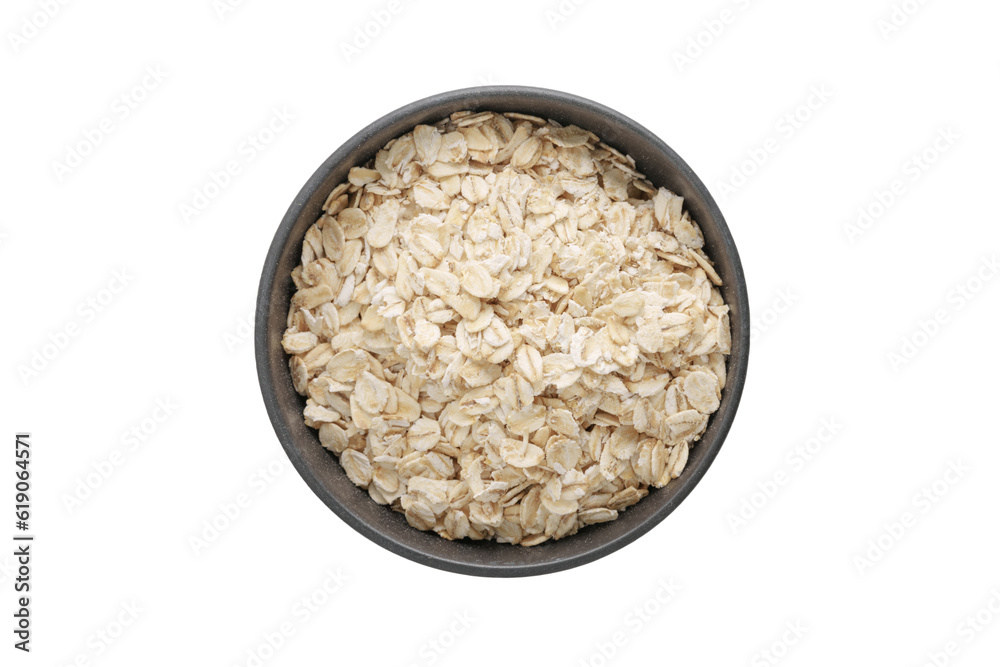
504, 331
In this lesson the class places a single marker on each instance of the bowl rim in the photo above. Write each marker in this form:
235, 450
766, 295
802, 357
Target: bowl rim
477, 96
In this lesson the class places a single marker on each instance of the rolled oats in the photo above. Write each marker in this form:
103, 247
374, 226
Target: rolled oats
504, 331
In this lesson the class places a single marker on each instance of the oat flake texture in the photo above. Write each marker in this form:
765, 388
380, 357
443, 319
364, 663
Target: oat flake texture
504, 331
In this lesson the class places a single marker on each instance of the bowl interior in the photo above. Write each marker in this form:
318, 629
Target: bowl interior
320, 468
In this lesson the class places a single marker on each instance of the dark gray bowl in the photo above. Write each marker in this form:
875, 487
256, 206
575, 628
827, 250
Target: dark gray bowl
320, 469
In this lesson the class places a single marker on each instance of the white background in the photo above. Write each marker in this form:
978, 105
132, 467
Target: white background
817, 552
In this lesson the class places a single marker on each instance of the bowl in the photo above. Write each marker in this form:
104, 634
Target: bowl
320, 468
